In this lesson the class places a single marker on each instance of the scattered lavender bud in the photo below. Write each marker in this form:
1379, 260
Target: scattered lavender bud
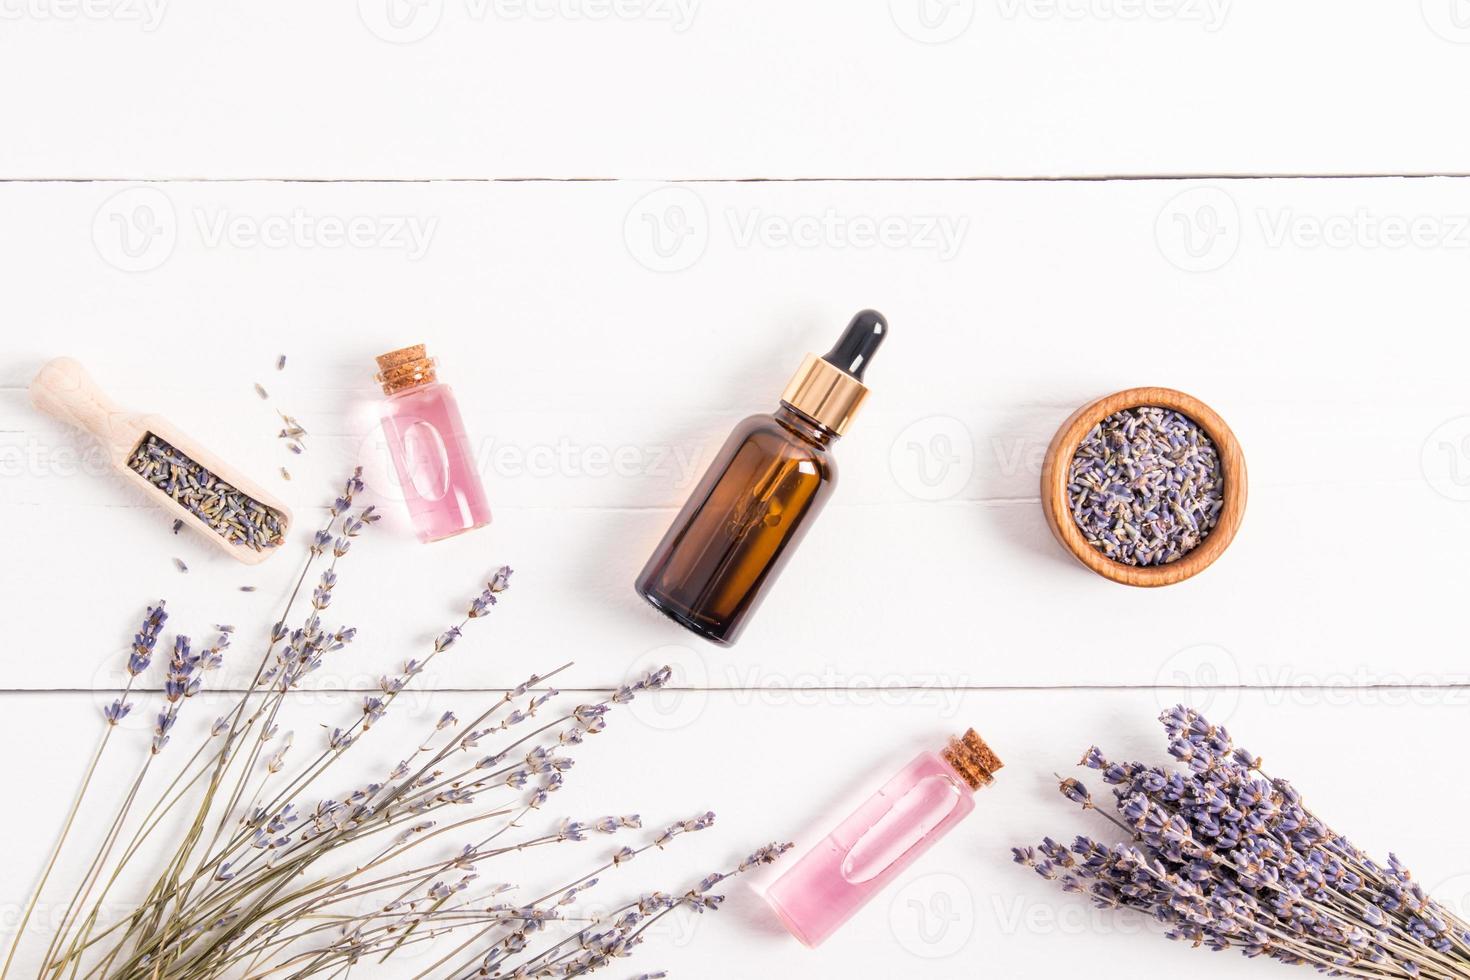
179, 564
281, 363
178, 524
259, 390
292, 429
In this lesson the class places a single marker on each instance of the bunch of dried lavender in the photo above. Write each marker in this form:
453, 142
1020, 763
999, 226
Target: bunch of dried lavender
1230, 858
266, 880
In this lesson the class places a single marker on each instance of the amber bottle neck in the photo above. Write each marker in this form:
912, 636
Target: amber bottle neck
805, 426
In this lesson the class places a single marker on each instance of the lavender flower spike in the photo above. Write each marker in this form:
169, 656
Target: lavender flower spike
139, 657
146, 638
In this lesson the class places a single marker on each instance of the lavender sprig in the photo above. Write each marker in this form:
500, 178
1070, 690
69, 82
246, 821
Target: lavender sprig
1229, 858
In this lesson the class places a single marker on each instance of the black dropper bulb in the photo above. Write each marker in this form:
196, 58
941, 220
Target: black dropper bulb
858, 343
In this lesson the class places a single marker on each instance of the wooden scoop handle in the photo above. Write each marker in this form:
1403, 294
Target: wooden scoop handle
63, 389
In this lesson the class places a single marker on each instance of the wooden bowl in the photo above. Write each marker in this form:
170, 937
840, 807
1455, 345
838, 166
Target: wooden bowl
1054, 475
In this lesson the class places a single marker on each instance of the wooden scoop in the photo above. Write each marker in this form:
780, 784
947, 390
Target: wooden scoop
152, 453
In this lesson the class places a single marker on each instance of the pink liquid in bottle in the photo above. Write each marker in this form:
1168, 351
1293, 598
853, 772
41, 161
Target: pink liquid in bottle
882, 838
431, 453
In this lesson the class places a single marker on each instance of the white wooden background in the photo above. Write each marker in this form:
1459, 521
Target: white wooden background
619, 227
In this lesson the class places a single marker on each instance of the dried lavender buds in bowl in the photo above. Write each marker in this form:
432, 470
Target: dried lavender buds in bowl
1145, 487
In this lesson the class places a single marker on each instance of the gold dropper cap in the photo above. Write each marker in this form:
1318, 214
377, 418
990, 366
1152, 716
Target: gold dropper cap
829, 389
969, 756
824, 393
407, 367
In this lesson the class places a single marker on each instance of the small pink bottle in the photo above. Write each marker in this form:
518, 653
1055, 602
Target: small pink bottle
426, 438
889, 832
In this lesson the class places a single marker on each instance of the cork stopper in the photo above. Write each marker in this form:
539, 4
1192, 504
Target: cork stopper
407, 367
972, 759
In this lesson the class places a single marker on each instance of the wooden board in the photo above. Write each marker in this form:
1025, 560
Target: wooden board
592, 222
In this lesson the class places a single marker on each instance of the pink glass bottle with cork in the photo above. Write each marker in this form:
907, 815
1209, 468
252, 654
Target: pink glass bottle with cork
882, 838
431, 453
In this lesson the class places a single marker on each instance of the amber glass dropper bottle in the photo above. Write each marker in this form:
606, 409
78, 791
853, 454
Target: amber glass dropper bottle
760, 493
